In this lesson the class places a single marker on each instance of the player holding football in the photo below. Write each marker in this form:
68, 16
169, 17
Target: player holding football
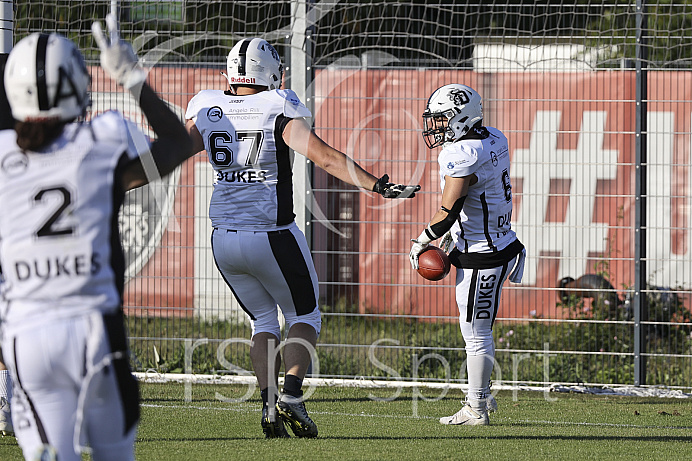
259, 250
476, 210
62, 182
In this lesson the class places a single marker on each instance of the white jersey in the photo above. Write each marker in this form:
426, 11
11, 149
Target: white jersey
484, 224
60, 250
253, 189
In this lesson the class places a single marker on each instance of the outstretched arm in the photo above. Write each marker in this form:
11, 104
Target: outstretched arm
300, 137
303, 140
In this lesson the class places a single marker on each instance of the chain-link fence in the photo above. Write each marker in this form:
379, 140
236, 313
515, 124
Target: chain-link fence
596, 100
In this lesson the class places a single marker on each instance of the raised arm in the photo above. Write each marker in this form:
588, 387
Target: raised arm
173, 144
171, 148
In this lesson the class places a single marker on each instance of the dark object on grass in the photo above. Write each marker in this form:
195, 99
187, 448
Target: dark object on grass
596, 287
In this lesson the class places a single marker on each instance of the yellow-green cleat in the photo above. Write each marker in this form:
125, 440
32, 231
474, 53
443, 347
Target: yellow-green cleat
272, 425
293, 412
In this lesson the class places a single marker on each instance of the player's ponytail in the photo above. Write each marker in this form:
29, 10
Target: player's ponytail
34, 135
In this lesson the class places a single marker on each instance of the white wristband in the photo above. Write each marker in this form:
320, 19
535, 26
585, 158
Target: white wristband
424, 238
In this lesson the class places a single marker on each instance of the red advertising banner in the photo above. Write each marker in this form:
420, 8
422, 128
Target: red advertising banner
572, 146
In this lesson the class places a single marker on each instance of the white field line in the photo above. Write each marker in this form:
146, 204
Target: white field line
155, 377
254, 408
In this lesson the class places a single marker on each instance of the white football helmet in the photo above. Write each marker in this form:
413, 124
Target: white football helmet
46, 78
451, 112
253, 61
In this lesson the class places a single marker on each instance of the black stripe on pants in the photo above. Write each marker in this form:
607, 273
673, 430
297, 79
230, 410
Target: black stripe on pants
127, 384
294, 269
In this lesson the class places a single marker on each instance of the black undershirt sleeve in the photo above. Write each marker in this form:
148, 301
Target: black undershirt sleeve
281, 122
440, 228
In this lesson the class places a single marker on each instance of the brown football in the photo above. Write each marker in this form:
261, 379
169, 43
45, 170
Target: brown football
433, 263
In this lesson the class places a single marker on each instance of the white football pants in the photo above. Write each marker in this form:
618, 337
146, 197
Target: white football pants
73, 388
266, 269
478, 294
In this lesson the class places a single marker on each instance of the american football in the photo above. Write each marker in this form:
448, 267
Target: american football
433, 263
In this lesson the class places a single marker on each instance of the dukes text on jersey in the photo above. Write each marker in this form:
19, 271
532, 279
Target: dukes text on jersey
75, 265
246, 176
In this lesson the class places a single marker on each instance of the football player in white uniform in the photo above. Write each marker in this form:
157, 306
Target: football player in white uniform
476, 207
62, 182
263, 256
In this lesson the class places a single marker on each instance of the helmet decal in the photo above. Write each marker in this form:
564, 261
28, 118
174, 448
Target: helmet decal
41, 86
73, 92
272, 50
458, 97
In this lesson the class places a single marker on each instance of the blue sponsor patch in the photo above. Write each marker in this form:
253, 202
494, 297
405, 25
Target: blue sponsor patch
450, 165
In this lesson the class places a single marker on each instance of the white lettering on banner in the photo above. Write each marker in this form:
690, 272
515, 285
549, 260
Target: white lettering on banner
577, 236
665, 268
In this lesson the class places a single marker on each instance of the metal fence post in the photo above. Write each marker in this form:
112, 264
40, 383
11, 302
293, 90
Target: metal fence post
6, 37
300, 69
640, 276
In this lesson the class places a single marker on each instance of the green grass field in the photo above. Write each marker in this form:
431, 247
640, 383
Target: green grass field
355, 427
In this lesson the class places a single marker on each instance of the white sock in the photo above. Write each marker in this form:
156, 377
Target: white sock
5, 385
479, 368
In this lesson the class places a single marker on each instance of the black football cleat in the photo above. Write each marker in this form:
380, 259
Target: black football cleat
273, 425
293, 412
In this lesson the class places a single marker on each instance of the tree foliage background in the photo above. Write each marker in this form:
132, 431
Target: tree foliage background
414, 32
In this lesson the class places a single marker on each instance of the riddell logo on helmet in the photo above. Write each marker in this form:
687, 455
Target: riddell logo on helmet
250, 80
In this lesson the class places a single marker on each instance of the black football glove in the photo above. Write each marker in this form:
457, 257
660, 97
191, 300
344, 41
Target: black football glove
390, 190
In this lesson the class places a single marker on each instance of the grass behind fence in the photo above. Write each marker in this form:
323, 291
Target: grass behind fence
535, 351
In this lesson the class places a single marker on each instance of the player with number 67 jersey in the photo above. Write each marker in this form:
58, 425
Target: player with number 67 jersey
243, 139
259, 250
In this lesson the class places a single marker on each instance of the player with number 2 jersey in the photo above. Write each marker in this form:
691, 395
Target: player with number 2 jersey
62, 182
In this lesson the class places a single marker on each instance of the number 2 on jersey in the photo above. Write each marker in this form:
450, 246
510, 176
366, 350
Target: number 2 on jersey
50, 227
